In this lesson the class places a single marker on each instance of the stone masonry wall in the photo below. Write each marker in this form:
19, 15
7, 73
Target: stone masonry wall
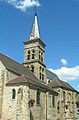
62, 110
2, 70
5, 76
30, 62
31, 47
18, 108
51, 110
38, 112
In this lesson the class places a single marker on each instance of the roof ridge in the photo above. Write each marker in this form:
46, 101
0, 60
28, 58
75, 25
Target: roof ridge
50, 71
10, 58
66, 84
8, 66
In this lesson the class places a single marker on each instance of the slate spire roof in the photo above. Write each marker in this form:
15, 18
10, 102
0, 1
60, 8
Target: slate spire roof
35, 28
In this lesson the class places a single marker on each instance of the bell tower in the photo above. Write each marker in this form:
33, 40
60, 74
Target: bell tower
34, 52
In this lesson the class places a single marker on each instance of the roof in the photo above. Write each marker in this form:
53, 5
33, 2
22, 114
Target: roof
24, 80
62, 84
35, 29
34, 41
19, 69
51, 75
16, 67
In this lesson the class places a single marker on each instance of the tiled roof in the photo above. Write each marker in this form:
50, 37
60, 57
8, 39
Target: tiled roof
51, 75
16, 67
19, 69
62, 84
23, 80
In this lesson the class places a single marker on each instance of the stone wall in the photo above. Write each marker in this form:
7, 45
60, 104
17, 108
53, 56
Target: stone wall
30, 47
2, 70
61, 109
5, 76
38, 111
18, 108
51, 108
35, 62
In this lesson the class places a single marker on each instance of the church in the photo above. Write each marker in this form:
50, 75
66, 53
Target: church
29, 91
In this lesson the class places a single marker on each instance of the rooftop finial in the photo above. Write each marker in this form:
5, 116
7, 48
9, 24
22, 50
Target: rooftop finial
35, 10
35, 14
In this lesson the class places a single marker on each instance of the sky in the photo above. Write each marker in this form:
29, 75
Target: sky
59, 30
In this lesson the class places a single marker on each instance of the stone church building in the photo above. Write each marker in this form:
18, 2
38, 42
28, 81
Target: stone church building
29, 91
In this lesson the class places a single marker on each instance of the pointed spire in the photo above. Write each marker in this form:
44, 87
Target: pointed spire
35, 28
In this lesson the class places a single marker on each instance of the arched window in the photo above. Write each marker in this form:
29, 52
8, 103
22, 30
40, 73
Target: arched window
32, 68
42, 57
28, 56
42, 74
69, 97
40, 68
64, 96
58, 107
33, 54
39, 55
53, 100
42, 77
20, 93
13, 93
38, 97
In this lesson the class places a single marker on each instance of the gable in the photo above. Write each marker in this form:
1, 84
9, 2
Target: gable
2, 67
16, 67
